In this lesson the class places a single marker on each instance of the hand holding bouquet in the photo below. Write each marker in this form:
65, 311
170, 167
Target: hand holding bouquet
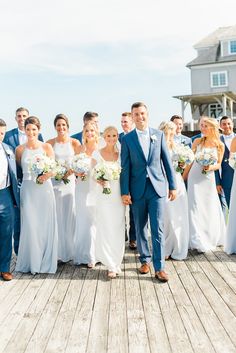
105, 172
81, 165
41, 164
61, 170
182, 156
206, 157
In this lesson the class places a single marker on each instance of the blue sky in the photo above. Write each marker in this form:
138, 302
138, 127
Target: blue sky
101, 55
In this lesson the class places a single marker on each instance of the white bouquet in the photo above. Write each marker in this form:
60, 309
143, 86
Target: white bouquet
232, 160
61, 168
41, 164
106, 171
182, 156
206, 157
81, 165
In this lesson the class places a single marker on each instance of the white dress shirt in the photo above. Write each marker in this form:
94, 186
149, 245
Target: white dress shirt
228, 139
4, 180
144, 140
22, 137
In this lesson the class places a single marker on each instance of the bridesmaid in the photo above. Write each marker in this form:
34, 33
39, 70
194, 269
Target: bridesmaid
39, 237
206, 219
110, 212
176, 225
85, 230
64, 148
230, 243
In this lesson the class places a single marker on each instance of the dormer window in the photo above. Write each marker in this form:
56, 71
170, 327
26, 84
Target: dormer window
219, 79
232, 47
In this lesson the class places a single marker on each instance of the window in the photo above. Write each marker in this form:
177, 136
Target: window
215, 110
219, 79
232, 47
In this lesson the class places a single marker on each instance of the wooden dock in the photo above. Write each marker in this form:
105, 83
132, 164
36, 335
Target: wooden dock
80, 311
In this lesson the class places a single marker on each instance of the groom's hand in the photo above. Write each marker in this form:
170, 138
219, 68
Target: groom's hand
172, 195
126, 199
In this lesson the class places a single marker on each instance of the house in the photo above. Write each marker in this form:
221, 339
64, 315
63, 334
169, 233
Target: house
213, 76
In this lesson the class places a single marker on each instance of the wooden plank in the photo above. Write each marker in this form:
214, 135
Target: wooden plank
14, 317
178, 337
61, 330
220, 284
98, 334
118, 330
44, 328
27, 325
216, 332
156, 330
137, 331
194, 328
78, 338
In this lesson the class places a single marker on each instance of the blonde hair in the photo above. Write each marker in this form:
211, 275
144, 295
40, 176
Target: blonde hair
167, 126
89, 123
215, 134
109, 128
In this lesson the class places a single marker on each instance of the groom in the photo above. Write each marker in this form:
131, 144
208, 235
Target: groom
146, 165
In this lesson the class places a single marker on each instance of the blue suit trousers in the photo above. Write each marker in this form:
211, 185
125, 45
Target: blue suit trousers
150, 207
6, 228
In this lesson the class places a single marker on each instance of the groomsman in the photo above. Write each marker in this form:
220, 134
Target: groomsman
145, 168
127, 125
224, 177
88, 116
9, 196
179, 138
14, 138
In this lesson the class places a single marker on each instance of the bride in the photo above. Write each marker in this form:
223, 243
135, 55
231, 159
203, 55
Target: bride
110, 212
206, 220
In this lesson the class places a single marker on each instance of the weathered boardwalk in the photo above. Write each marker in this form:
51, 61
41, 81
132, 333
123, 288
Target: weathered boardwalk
80, 311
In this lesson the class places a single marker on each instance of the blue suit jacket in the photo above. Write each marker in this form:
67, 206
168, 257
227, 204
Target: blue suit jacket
185, 140
227, 173
12, 139
12, 171
121, 136
196, 137
78, 136
135, 167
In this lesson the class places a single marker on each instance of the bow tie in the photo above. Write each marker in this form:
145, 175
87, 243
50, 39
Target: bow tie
143, 133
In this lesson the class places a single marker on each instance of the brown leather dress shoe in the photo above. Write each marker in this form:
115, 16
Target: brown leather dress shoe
132, 245
7, 276
144, 269
162, 276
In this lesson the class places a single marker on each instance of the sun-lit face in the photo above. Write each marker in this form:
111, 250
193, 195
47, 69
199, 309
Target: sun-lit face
227, 126
179, 125
111, 137
61, 127
201, 124
206, 129
20, 118
90, 133
140, 117
2, 132
95, 120
127, 123
32, 132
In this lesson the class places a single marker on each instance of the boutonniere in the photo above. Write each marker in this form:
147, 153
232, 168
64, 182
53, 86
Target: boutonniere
153, 138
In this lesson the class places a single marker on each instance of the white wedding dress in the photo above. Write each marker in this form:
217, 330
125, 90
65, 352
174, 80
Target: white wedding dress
38, 237
176, 224
230, 241
85, 230
206, 219
65, 205
110, 223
